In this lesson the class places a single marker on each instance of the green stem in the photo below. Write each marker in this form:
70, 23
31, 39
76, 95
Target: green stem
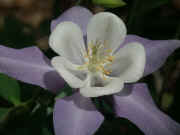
18, 110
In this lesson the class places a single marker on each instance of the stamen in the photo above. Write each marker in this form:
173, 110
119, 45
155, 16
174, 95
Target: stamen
98, 56
110, 58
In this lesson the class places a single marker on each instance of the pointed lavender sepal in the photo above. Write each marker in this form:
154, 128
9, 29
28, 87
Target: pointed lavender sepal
138, 107
76, 115
30, 66
157, 51
78, 15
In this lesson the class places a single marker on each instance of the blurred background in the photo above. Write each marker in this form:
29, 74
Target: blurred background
23, 23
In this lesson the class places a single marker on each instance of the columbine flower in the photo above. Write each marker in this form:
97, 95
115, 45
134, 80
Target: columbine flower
100, 69
76, 115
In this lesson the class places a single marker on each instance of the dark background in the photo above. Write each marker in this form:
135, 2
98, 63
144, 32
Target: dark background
26, 23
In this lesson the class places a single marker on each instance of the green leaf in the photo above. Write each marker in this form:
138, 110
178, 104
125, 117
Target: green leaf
9, 89
110, 3
3, 111
66, 91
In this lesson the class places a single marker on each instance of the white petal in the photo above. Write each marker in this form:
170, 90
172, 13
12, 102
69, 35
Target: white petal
106, 27
114, 86
129, 62
67, 41
68, 71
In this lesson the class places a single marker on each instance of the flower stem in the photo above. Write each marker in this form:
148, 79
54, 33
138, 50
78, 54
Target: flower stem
18, 110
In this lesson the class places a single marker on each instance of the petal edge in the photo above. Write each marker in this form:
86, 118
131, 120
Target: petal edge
76, 115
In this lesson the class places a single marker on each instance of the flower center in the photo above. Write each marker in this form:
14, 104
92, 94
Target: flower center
98, 56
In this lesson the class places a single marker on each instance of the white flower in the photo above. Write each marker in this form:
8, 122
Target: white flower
97, 69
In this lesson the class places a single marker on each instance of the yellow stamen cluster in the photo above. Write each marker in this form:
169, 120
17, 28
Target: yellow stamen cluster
97, 57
